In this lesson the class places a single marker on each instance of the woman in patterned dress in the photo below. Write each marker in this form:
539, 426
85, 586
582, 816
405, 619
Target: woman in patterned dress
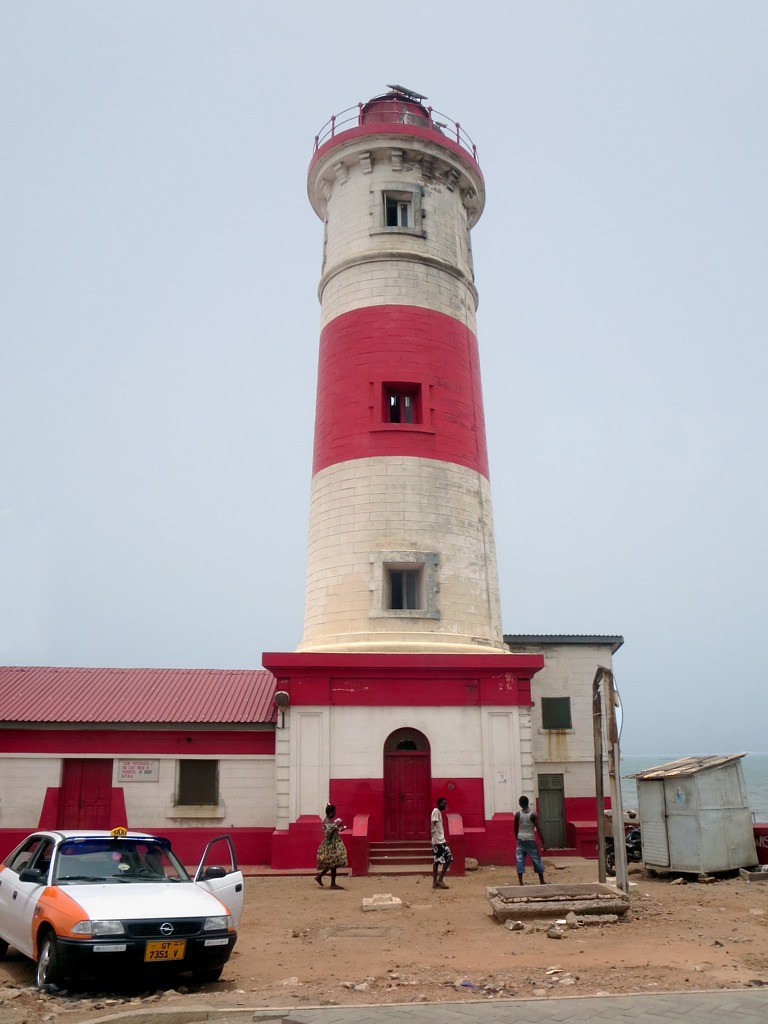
331, 854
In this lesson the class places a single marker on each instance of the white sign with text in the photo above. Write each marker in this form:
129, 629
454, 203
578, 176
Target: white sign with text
139, 771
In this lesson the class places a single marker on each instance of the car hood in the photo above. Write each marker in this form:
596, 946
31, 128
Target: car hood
139, 901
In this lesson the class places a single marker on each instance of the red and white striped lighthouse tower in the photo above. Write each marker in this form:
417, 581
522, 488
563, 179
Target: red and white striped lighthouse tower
401, 544
401, 687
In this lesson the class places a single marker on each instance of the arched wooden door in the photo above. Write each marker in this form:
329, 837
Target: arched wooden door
407, 775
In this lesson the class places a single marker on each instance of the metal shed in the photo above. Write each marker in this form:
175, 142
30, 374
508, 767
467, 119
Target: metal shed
695, 816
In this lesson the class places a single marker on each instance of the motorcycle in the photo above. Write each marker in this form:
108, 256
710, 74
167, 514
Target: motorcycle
634, 846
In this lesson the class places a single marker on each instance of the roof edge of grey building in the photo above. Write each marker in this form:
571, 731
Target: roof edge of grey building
561, 639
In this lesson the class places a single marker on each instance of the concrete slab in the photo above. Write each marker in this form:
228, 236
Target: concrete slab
754, 874
512, 902
382, 901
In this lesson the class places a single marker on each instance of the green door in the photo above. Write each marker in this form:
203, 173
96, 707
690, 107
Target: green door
552, 809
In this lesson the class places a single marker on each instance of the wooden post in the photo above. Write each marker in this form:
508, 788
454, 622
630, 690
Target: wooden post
597, 735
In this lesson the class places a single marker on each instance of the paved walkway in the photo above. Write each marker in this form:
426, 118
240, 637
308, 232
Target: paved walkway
736, 1007
749, 1006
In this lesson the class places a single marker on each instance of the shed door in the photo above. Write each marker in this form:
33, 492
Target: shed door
653, 822
552, 809
86, 794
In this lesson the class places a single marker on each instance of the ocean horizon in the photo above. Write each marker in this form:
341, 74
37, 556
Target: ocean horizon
755, 766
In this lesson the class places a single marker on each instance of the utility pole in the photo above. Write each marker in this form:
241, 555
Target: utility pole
605, 701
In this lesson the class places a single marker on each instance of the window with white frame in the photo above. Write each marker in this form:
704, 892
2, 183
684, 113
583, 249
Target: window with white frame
398, 208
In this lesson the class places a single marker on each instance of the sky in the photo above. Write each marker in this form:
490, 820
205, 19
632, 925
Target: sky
159, 323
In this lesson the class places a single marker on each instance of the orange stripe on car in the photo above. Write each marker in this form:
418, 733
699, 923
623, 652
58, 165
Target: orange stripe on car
60, 911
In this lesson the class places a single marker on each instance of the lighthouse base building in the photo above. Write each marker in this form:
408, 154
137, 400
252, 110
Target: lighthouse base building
383, 736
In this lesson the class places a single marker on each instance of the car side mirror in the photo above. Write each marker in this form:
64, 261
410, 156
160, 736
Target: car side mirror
214, 872
32, 875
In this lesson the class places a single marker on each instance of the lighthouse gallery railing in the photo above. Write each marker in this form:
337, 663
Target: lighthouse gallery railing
352, 117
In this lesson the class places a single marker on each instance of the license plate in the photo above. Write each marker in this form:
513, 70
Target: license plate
172, 949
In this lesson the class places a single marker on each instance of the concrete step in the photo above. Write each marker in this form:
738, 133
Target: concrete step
400, 853
398, 856
400, 869
401, 848
402, 862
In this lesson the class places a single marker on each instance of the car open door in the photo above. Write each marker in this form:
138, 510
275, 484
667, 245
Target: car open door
219, 874
20, 889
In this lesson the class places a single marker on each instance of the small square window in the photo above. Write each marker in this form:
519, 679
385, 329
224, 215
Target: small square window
405, 588
402, 403
404, 585
198, 782
556, 713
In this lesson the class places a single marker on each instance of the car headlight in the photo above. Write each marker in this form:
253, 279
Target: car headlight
99, 928
223, 923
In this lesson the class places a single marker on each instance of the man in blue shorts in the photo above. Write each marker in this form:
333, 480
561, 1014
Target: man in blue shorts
526, 826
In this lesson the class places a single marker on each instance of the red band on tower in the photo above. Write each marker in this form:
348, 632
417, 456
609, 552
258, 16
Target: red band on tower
376, 359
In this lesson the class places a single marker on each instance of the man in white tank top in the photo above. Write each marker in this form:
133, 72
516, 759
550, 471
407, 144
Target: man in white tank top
526, 826
441, 851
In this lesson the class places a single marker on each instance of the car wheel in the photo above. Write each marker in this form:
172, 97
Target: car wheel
211, 974
48, 970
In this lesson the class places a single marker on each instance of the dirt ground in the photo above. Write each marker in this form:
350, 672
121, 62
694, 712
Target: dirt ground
299, 946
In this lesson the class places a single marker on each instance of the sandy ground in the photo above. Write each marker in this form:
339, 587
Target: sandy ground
300, 945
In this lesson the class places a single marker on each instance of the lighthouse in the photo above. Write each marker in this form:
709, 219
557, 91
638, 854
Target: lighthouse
401, 688
401, 545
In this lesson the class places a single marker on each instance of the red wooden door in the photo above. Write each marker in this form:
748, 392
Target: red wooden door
406, 795
86, 794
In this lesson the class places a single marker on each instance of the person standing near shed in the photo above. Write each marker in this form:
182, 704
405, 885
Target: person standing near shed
527, 824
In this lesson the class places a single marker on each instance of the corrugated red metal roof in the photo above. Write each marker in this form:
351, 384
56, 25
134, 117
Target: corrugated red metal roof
167, 695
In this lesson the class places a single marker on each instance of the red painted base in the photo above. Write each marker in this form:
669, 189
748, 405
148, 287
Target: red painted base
296, 846
761, 842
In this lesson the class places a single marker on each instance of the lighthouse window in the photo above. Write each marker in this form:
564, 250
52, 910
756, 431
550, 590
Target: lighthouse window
402, 404
404, 584
404, 589
397, 212
398, 208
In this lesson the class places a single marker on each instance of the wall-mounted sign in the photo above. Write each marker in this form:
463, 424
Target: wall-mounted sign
141, 770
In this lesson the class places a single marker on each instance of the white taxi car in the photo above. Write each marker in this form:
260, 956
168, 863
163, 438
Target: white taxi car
118, 904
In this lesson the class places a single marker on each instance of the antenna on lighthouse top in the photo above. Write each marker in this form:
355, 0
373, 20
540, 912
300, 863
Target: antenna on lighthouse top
408, 93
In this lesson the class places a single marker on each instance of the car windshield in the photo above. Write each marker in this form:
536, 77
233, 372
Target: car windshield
119, 861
